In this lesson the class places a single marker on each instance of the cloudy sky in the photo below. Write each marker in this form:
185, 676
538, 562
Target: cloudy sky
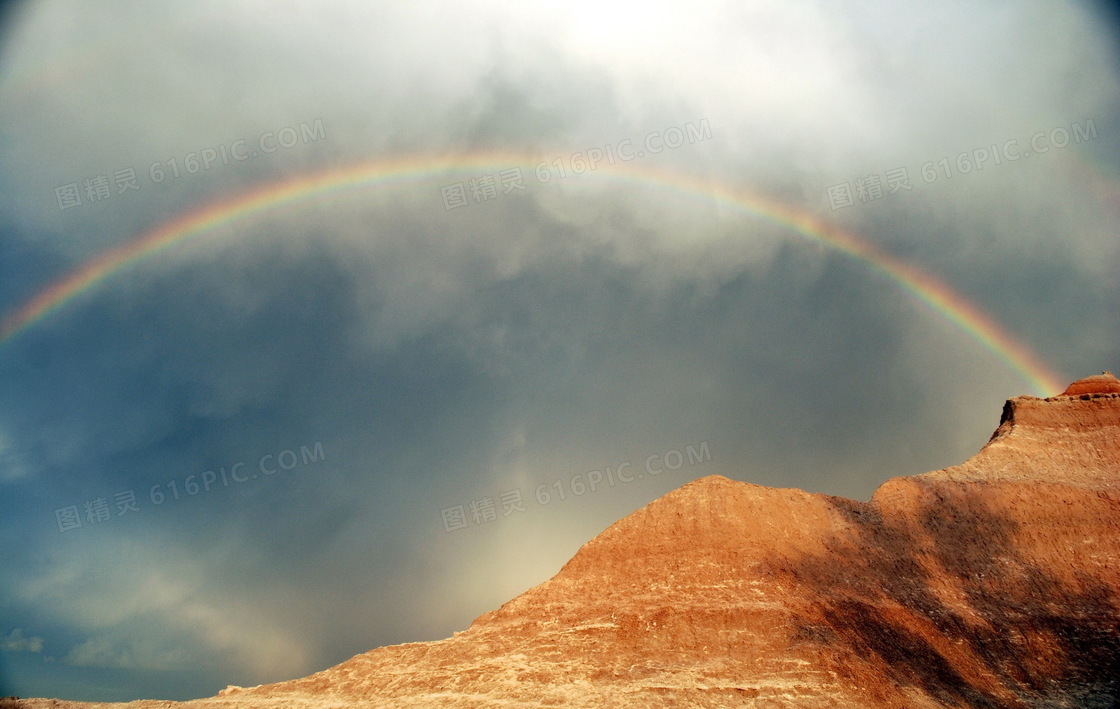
374, 405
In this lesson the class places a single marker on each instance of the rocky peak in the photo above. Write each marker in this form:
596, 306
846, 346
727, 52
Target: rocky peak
994, 583
1070, 438
1103, 383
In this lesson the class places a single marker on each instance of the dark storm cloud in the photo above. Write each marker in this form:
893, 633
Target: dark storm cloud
440, 357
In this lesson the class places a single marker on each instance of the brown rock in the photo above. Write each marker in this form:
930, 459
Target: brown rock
995, 583
1103, 383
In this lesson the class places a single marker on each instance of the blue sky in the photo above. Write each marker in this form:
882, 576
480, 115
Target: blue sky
267, 433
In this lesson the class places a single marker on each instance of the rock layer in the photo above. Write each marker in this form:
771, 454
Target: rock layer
995, 583
1103, 383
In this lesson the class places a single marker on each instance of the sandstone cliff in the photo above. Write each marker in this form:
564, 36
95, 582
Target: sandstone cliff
995, 583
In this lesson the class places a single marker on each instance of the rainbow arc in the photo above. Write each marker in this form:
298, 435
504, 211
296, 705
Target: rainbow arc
927, 289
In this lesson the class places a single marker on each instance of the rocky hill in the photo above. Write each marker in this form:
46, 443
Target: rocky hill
995, 583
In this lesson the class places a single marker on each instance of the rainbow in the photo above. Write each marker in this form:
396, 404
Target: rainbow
930, 291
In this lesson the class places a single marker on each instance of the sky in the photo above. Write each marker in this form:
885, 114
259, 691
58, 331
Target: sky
333, 327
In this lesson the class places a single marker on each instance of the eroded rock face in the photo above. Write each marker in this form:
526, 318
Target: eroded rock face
1103, 383
995, 583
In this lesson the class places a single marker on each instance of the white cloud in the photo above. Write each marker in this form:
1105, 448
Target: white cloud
144, 606
611, 315
130, 654
16, 642
11, 465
